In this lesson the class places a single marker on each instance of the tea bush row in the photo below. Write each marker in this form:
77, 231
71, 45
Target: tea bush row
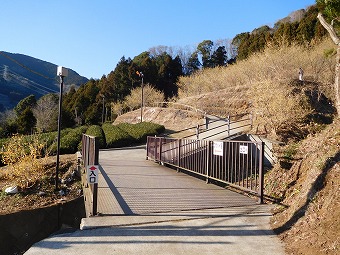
110, 136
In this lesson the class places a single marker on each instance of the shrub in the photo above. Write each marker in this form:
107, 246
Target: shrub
141, 130
151, 96
22, 157
116, 137
2, 143
69, 142
97, 131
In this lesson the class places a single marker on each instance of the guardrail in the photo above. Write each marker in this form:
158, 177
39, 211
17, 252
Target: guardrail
90, 158
238, 164
228, 128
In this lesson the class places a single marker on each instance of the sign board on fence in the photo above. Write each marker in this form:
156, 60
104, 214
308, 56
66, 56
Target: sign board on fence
218, 148
243, 149
92, 174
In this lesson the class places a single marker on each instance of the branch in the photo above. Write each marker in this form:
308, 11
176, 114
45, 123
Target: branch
329, 29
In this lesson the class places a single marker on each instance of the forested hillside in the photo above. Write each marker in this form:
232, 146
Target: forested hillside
162, 66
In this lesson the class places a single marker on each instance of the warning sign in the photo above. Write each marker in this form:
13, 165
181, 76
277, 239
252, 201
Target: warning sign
92, 174
218, 148
243, 149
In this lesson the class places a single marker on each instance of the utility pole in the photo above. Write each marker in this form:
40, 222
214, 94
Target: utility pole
103, 109
140, 74
61, 72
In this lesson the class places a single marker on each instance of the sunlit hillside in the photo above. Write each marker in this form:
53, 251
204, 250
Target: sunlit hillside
267, 85
304, 182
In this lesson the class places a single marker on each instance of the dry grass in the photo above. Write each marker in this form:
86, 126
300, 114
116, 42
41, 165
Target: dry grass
24, 163
264, 84
133, 101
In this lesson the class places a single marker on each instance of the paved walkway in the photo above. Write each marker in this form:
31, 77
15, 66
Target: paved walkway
130, 185
150, 209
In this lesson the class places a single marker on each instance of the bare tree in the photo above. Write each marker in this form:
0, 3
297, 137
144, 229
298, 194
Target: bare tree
330, 29
46, 112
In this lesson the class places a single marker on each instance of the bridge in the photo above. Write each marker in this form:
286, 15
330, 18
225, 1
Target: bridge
131, 185
152, 207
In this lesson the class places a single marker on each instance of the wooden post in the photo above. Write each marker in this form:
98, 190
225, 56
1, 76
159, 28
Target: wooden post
95, 185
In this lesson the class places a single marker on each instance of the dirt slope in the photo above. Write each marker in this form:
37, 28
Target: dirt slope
309, 218
173, 119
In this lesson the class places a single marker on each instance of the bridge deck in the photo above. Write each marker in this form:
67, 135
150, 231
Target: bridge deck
131, 185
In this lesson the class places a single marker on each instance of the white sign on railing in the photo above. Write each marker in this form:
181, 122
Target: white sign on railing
218, 148
243, 149
92, 174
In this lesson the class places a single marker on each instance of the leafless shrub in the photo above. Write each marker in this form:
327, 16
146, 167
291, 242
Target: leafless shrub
263, 83
151, 96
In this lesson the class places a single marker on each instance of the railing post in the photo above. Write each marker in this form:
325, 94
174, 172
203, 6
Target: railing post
208, 166
228, 121
95, 185
197, 131
147, 147
261, 173
179, 154
160, 149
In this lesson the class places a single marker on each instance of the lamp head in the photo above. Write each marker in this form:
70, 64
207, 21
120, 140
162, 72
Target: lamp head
62, 71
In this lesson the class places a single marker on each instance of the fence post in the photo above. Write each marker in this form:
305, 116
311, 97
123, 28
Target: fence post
147, 147
160, 150
197, 131
179, 154
95, 185
228, 119
261, 173
209, 156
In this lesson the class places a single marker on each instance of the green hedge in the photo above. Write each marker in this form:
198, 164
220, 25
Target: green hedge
140, 131
69, 143
116, 137
97, 131
110, 136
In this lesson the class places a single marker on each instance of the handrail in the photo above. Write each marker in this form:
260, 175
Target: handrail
238, 164
194, 109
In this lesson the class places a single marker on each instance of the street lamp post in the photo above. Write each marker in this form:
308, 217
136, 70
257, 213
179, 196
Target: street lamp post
140, 74
61, 72
103, 109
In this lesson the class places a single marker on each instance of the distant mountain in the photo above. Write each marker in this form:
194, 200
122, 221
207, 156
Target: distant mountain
21, 76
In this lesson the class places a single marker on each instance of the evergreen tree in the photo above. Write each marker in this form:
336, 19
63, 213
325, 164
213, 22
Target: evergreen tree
219, 57
193, 64
205, 49
26, 121
29, 102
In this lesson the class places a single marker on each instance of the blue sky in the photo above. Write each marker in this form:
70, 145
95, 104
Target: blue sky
90, 37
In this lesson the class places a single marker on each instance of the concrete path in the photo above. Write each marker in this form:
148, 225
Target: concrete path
150, 209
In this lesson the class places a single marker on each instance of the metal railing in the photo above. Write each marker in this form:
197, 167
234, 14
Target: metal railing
238, 164
230, 127
90, 157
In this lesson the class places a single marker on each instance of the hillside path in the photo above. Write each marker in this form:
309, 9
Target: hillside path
150, 209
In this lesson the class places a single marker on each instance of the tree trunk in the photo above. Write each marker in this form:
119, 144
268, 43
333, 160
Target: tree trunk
336, 40
336, 82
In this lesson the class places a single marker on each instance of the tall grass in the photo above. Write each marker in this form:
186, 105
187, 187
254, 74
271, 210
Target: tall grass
263, 84
276, 64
